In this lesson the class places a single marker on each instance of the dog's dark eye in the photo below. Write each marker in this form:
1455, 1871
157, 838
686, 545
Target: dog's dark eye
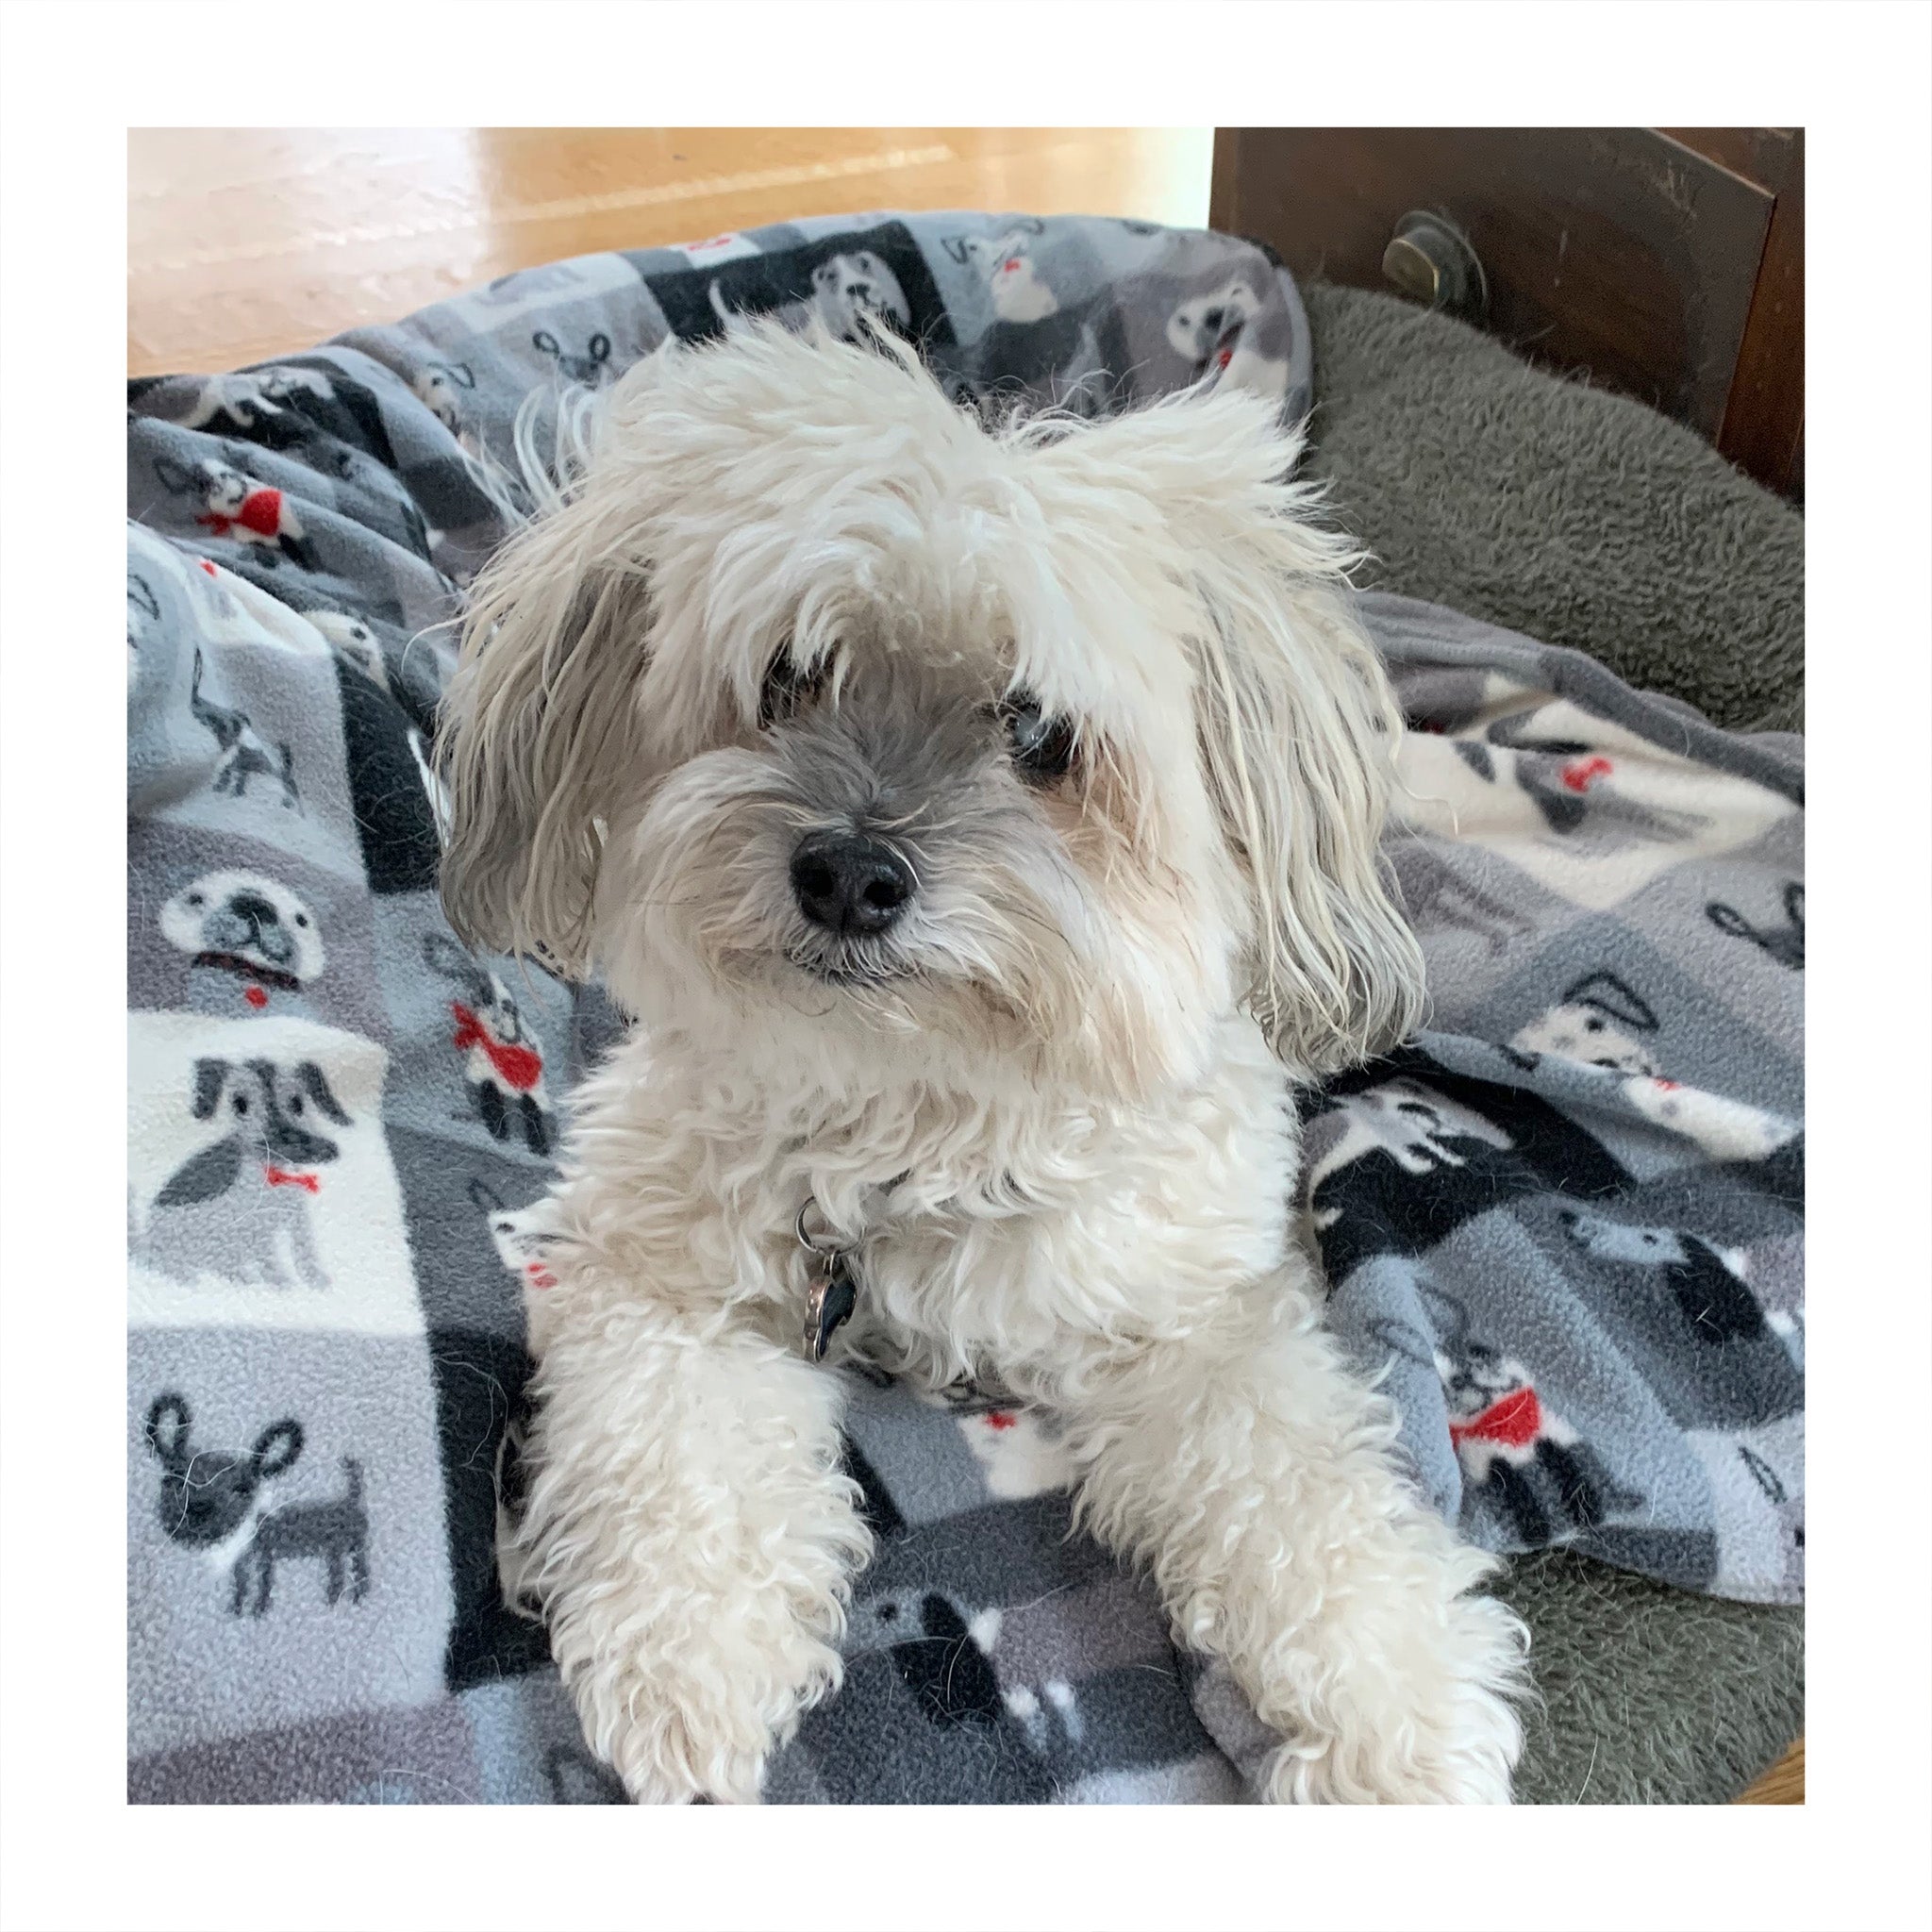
301, 918
1043, 747
787, 689
241, 1102
294, 1103
1592, 1026
195, 899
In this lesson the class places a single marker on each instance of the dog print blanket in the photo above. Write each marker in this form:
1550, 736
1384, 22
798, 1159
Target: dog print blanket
1565, 1220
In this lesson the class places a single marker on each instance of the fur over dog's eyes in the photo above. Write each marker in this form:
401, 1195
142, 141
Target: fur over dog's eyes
1043, 745
787, 689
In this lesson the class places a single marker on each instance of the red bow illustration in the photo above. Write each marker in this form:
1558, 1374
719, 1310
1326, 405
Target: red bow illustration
1515, 1422
518, 1066
261, 511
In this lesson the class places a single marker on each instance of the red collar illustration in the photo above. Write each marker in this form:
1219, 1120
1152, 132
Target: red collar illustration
1514, 1420
518, 1067
261, 511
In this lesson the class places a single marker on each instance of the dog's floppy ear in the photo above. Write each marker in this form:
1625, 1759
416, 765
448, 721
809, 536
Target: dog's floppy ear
442, 955
276, 1448
1297, 723
207, 1177
1728, 919
1717, 1304
209, 1075
317, 1087
542, 732
168, 1423
1609, 994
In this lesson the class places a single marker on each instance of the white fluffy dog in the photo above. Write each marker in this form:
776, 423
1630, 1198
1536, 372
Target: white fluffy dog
982, 828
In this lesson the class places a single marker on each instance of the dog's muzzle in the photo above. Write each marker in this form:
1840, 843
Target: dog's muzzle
249, 920
203, 1505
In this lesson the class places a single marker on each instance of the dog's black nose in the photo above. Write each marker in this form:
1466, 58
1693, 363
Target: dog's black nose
848, 883
253, 907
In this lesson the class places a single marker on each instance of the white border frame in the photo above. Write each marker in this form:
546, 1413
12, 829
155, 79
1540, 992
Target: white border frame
73, 77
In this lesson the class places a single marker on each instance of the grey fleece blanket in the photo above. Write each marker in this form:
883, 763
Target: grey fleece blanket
337, 1113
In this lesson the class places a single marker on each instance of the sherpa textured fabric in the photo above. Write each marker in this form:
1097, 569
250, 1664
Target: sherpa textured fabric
338, 1114
1548, 507
1648, 1695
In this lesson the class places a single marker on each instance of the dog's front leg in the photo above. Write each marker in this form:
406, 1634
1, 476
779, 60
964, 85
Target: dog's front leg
1254, 1474
302, 1251
688, 1535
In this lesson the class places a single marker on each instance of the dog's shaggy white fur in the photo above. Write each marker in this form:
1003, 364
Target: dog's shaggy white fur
1096, 692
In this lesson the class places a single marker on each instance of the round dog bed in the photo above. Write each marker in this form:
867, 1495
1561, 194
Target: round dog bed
295, 533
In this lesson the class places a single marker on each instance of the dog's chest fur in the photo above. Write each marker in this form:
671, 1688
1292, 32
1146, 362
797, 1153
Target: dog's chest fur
991, 1230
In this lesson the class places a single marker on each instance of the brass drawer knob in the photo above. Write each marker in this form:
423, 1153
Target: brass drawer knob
1430, 261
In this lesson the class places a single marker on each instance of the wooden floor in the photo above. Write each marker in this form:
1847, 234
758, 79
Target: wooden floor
1784, 1783
244, 243
249, 242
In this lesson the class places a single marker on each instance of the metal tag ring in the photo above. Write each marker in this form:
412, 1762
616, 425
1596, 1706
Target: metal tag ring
825, 1244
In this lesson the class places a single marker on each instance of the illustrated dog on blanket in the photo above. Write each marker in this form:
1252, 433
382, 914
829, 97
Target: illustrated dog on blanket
981, 827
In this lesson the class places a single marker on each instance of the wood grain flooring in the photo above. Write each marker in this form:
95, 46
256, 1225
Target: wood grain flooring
1784, 1783
244, 243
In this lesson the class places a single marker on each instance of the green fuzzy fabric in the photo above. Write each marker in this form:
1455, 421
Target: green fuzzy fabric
1584, 519
1576, 516
1650, 1696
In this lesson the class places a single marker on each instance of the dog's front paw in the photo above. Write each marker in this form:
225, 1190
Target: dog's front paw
678, 1738
1431, 1721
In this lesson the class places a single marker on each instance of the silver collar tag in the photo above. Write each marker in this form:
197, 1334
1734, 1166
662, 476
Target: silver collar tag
831, 1289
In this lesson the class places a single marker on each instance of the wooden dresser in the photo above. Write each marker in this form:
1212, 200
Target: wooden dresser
1667, 264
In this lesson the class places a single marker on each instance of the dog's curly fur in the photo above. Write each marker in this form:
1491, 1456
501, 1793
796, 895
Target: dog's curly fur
787, 591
